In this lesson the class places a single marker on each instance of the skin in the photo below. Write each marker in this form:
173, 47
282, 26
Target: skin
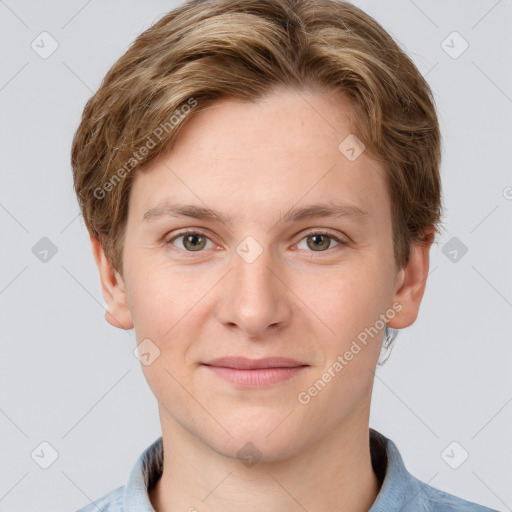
254, 162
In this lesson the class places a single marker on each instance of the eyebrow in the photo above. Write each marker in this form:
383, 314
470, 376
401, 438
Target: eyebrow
334, 209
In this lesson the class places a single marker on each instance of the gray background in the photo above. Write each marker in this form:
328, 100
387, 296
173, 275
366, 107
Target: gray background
70, 379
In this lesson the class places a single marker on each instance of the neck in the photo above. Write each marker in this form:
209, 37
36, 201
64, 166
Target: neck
331, 474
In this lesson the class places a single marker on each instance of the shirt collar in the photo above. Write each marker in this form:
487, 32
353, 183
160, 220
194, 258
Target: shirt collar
145, 473
399, 489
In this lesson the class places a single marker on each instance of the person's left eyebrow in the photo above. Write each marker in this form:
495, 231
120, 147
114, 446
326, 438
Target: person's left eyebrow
334, 209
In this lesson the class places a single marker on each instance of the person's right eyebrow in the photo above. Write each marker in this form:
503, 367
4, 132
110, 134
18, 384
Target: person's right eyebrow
333, 209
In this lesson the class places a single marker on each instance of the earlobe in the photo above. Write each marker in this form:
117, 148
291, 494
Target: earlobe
118, 313
411, 282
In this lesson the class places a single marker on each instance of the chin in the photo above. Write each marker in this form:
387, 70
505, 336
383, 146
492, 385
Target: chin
252, 450
256, 441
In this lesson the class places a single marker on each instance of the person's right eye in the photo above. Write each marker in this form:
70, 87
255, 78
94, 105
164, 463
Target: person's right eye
193, 241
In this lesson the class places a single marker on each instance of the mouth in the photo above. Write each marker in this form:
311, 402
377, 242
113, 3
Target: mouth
244, 363
255, 372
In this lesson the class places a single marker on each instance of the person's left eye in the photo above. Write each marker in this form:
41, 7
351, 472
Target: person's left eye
321, 240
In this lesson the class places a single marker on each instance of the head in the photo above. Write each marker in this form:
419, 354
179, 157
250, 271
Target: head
253, 112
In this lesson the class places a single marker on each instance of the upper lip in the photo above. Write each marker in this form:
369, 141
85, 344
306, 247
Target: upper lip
243, 363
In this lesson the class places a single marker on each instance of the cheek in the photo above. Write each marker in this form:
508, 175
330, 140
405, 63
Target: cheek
168, 303
160, 296
349, 307
345, 301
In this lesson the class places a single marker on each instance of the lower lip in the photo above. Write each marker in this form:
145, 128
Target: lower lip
256, 377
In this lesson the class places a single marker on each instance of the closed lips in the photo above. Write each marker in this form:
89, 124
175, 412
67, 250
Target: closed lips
243, 363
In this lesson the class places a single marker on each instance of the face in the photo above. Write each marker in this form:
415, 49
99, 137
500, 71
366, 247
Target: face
267, 276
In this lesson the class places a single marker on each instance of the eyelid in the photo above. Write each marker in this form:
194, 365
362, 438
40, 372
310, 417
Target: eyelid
341, 238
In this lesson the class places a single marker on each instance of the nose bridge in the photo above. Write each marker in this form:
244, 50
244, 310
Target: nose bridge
253, 270
255, 299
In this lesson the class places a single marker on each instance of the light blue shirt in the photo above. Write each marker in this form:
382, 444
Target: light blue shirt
400, 491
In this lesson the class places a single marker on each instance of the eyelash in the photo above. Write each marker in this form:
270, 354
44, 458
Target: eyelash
308, 233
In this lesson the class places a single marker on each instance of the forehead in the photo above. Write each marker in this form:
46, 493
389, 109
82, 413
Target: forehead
282, 122
272, 154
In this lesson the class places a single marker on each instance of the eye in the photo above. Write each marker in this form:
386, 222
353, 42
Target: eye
193, 241
196, 241
321, 241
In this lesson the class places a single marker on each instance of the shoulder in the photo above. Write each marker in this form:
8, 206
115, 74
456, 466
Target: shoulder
441, 501
401, 490
111, 502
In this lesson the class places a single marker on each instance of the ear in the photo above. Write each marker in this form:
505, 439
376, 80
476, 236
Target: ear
118, 313
410, 284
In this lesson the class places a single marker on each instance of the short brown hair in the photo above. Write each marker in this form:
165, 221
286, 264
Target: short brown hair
206, 50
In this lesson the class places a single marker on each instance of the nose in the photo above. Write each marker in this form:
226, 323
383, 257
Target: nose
254, 297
